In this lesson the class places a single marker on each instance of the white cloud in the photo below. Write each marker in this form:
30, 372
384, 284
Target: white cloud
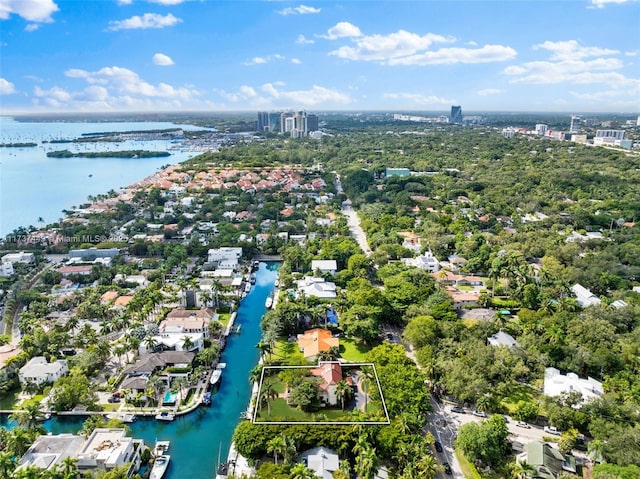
125, 2
6, 87
32, 27
314, 96
388, 47
489, 91
342, 30
300, 10
263, 60
148, 20
419, 99
274, 95
296, 61
632, 53
30, 10
572, 50
486, 54
301, 40
125, 81
603, 3
162, 60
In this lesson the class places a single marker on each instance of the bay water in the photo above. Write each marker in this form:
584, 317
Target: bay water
34, 187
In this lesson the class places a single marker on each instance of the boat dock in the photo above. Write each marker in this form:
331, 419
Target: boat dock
232, 321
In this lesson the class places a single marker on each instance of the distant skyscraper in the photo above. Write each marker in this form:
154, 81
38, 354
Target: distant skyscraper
263, 121
541, 129
575, 124
286, 122
456, 115
312, 122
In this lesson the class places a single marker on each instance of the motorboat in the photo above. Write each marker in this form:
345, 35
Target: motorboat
161, 448
165, 416
124, 417
269, 302
217, 374
206, 398
160, 466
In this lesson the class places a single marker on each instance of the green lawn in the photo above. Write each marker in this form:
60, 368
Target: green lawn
469, 471
353, 350
224, 318
288, 351
282, 411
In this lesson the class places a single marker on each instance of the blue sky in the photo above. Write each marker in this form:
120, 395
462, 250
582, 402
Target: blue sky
171, 55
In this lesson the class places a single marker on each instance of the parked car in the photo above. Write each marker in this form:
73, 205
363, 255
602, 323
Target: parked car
113, 399
479, 413
457, 409
523, 424
447, 469
438, 446
552, 430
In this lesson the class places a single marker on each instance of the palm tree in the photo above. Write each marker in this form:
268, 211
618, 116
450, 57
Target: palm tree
427, 467
595, 449
276, 445
7, 464
365, 384
301, 471
366, 463
522, 470
28, 417
187, 343
267, 394
290, 452
343, 392
150, 343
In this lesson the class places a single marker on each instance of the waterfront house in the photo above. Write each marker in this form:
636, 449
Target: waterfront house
329, 374
106, 449
315, 341
318, 287
39, 371
47, 451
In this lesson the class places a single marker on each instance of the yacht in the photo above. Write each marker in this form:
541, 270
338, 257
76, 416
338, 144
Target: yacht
160, 466
269, 302
161, 448
165, 416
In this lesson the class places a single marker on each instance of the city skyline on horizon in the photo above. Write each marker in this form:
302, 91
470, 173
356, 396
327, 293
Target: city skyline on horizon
152, 56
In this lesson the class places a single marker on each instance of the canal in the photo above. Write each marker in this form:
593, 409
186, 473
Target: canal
200, 438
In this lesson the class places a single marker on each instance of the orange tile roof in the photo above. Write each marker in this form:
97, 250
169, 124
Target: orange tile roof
315, 341
330, 373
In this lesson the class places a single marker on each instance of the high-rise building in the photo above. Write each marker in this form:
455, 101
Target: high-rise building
274, 121
456, 115
286, 122
575, 124
541, 129
312, 122
615, 134
263, 121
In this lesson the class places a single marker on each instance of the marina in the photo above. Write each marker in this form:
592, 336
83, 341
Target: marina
197, 437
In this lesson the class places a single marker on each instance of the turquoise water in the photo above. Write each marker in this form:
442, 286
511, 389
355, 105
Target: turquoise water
34, 186
170, 398
197, 439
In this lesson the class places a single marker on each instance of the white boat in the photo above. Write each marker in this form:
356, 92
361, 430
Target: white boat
269, 302
124, 417
215, 377
165, 416
217, 374
161, 448
160, 466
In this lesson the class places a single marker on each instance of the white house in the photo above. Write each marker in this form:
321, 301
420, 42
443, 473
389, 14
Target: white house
228, 255
106, 449
20, 257
6, 270
322, 461
318, 287
39, 371
427, 262
555, 384
585, 297
503, 339
324, 265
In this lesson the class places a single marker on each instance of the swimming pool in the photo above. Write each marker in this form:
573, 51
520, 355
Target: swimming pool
170, 397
